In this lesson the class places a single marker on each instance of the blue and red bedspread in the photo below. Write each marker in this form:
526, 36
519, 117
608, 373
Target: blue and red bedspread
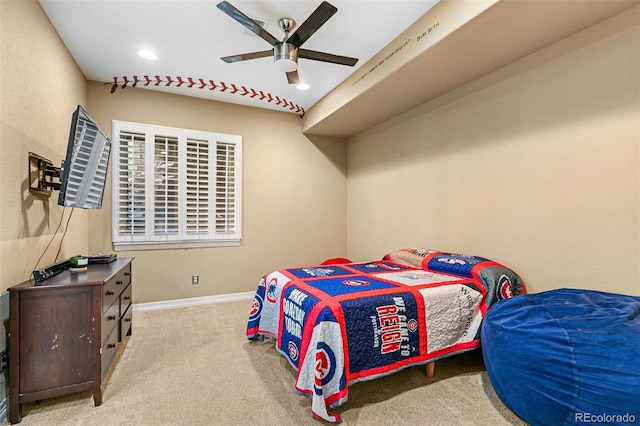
340, 324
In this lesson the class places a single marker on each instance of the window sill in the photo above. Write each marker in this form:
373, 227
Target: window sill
168, 245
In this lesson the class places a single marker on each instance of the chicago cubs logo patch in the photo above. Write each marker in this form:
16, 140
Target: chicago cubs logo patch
293, 351
356, 283
504, 287
412, 325
325, 366
256, 308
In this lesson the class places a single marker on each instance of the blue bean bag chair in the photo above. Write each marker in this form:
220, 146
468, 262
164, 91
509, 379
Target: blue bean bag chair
566, 356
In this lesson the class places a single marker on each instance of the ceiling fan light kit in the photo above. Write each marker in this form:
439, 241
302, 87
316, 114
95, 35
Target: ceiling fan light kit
287, 51
285, 57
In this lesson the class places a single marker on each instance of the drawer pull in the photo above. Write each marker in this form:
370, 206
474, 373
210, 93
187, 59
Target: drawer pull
110, 292
111, 317
127, 298
119, 282
127, 320
111, 345
127, 274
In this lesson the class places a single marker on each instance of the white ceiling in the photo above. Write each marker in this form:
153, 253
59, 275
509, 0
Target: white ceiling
190, 36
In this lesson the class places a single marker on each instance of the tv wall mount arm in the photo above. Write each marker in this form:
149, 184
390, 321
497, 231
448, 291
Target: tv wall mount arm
42, 175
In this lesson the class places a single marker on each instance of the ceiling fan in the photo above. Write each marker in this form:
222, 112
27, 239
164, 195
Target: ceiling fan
286, 52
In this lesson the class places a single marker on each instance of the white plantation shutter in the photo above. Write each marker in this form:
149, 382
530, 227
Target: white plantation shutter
175, 188
129, 185
197, 193
226, 214
165, 187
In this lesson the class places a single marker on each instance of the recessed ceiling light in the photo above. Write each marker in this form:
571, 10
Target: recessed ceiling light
147, 54
302, 86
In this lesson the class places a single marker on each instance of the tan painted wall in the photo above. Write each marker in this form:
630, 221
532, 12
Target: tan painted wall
40, 86
294, 200
535, 165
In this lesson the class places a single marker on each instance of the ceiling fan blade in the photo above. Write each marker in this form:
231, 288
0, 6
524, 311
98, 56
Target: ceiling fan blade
230, 10
313, 22
293, 77
247, 56
326, 57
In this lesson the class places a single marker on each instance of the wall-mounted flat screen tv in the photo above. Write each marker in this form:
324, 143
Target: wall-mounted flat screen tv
84, 170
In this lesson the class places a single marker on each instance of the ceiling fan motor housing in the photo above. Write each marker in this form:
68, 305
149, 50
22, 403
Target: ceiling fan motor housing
285, 57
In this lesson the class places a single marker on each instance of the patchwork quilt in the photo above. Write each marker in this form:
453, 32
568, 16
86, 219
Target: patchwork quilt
340, 324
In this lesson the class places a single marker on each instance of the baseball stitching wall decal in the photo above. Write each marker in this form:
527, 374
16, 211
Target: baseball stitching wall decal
210, 85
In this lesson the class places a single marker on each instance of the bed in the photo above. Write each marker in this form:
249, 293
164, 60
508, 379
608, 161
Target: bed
341, 323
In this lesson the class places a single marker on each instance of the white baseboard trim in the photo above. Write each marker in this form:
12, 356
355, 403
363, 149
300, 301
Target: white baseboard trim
192, 301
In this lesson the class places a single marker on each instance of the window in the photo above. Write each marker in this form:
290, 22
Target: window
175, 188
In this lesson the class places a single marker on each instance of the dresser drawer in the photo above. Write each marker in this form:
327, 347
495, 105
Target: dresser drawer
113, 287
109, 350
125, 300
125, 323
110, 321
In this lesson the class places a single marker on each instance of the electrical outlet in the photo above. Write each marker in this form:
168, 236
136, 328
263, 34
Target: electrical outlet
195, 279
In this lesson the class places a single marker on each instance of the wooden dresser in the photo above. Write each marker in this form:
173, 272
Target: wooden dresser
65, 332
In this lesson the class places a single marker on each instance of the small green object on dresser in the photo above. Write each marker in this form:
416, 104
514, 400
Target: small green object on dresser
78, 261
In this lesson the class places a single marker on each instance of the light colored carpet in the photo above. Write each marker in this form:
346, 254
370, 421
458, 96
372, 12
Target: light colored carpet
194, 366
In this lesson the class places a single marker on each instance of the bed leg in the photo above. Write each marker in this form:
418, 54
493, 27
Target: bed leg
430, 370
